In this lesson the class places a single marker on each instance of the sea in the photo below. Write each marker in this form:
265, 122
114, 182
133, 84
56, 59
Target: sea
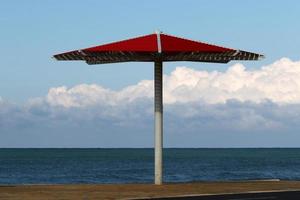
125, 165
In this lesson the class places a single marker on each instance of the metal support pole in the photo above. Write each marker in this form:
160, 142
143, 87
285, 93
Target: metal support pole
158, 105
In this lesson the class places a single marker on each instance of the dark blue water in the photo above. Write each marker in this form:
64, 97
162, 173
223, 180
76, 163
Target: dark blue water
32, 166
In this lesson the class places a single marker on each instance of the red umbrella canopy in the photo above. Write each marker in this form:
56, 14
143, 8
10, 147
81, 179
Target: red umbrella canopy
157, 47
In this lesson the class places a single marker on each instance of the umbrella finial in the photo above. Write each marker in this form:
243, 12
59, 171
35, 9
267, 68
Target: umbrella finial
157, 31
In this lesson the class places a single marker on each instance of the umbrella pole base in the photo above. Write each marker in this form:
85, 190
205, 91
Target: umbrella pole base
158, 105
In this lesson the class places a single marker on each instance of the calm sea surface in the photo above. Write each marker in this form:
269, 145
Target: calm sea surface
32, 166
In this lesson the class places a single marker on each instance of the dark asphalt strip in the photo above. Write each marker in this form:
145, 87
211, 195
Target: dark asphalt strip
280, 195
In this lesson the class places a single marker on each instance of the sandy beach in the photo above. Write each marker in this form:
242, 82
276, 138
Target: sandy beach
128, 191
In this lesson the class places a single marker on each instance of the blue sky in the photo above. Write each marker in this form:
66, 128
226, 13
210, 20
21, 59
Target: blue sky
32, 31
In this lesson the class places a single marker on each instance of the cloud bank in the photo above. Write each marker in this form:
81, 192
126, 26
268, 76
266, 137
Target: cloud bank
237, 107
278, 82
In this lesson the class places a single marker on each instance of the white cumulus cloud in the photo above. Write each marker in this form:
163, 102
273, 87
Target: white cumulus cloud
238, 107
278, 82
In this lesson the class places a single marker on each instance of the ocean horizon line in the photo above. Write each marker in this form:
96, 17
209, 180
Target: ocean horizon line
149, 147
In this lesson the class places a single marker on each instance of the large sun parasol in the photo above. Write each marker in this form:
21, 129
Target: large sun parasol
157, 48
